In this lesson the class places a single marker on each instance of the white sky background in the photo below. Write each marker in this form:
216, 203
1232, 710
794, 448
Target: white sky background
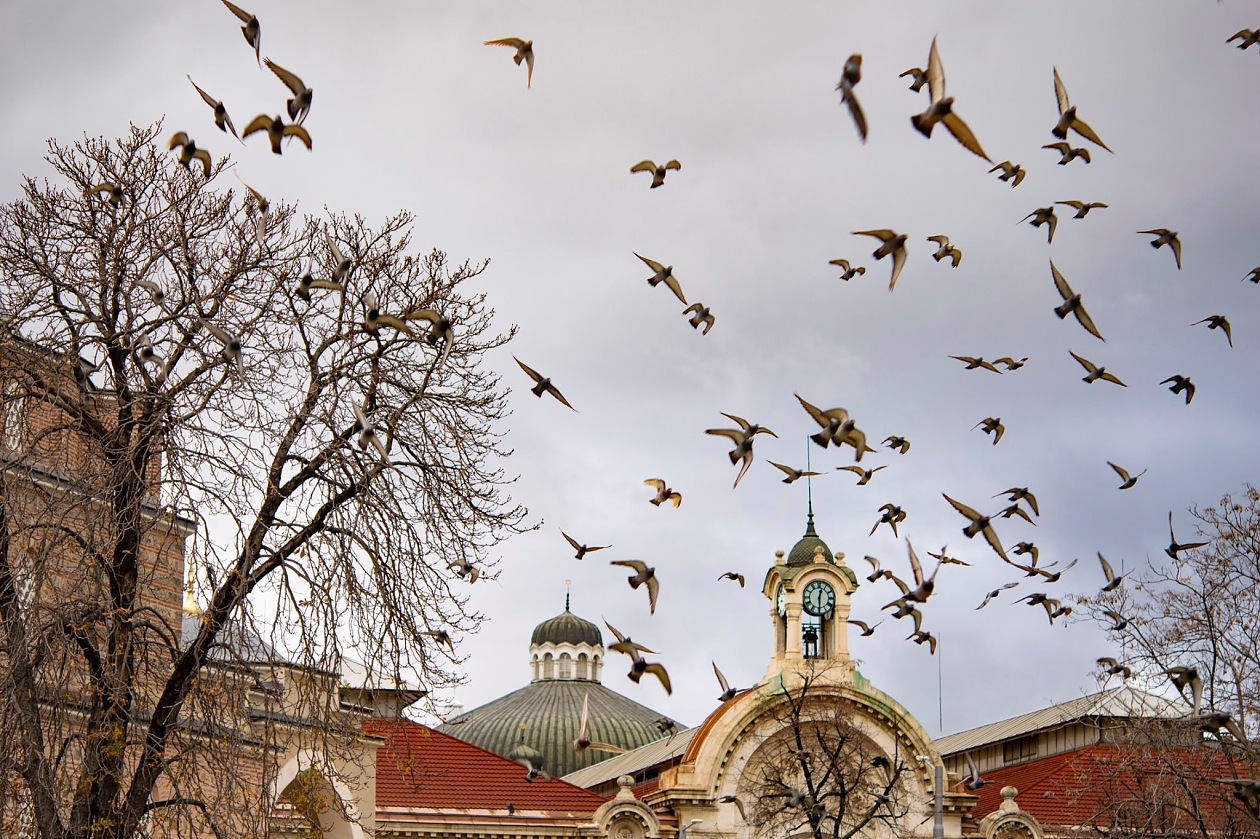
412, 111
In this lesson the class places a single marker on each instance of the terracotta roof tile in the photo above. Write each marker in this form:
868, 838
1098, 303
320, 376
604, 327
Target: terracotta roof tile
418, 767
1081, 787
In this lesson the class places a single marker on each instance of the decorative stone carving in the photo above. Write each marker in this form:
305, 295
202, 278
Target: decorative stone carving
1008, 821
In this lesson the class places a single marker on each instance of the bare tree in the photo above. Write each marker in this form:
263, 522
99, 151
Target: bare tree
821, 773
1191, 618
324, 456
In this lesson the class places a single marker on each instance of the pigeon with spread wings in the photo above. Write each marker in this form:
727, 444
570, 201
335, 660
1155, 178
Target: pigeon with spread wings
941, 108
188, 152
582, 550
277, 130
1164, 236
894, 244
979, 524
658, 172
663, 493
1072, 304
643, 574
664, 274
524, 52
221, 118
1068, 118
252, 30
300, 105
543, 384
583, 741
850, 76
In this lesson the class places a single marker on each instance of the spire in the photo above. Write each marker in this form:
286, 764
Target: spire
809, 520
567, 583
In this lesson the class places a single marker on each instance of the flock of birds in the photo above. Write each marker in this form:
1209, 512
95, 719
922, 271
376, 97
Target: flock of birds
836, 428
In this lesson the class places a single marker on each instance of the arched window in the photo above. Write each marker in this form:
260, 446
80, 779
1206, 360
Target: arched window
547, 666
583, 667
534, 664
565, 671
595, 668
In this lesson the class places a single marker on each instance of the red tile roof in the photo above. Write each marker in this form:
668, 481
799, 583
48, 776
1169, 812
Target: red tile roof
1085, 786
418, 767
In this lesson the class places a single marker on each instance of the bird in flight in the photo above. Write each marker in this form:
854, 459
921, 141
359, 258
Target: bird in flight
733, 575
866, 630
277, 130
1217, 322
1175, 547
188, 152
994, 594
979, 524
1011, 363
700, 314
918, 78
664, 274
663, 493
1124, 476
792, 474
113, 193
643, 575
898, 443
991, 425
542, 384
524, 52
973, 363
850, 76
658, 172
947, 249
221, 118
1072, 304
1018, 494
1068, 118
252, 30
1040, 216
1113, 580
1187, 677
1113, 668
582, 550
625, 644
849, 272
463, 568
1067, 153
1012, 172
1181, 383
743, 438
893, 243
941, 108
1094, 372
728, 692
892, 515
864, 475
1245, 37
1164, 236
1082, 208
300, 105
583, 741
307, 281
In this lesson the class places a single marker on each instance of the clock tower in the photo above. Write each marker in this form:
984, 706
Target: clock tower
809, 592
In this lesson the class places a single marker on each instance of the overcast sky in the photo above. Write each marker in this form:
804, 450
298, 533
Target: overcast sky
412, 111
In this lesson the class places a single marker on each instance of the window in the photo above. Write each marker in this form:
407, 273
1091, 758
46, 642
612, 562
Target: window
14, 417
565, 670
583, 668
1025, 748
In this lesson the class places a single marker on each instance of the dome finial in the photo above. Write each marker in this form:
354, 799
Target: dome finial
567, 583
809, 495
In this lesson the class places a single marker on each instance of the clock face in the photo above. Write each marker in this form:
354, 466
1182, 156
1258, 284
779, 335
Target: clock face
819, 598
780, 601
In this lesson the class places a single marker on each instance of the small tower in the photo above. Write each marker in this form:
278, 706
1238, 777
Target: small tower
566, 647
809, 592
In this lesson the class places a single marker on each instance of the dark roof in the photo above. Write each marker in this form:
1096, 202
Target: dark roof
802, 552
567, 628
423, 768
551, 714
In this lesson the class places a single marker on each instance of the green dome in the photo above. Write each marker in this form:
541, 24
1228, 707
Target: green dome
802, 552
543, 719
567, 628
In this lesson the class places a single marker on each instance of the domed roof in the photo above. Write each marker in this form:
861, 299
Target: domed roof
545, 716
567, 628
802, 552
